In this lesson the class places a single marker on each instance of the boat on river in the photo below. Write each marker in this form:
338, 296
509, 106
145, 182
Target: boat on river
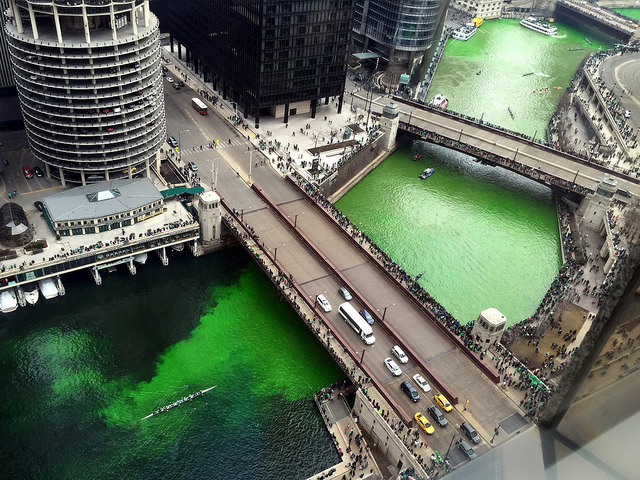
536, 25
427, 172
179, 402
48, 288
8, 300
31, 296
439, 101
465, 32
417, 157
140, 258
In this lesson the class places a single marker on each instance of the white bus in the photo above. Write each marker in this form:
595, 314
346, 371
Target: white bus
359, 324
199, 105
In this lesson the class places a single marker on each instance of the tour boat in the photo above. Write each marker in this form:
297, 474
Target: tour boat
48, 288
31, 296
538, 26
439, 101
426, 173
179, 402
8, 300
465, 32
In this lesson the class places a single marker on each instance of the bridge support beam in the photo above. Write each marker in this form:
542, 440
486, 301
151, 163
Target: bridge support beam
162, 253
132, 266
95, 273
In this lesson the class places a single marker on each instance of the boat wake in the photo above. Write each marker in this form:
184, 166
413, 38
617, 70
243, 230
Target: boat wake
540, 74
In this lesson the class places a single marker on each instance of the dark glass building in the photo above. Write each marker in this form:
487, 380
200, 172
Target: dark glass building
401, 31
271, 57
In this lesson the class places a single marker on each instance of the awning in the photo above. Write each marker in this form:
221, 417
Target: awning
172, 192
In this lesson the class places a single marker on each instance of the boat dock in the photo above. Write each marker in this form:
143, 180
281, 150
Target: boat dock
41, 268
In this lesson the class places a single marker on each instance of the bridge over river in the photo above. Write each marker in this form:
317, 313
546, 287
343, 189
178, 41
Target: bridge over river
499, 147
294, 237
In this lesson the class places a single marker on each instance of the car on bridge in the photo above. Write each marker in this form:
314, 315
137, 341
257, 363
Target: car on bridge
393, 367
437, 416
421, 382
443, 402
423, 423
410, 390
367, 316
345, 294
399, 354
324, 303
470, 432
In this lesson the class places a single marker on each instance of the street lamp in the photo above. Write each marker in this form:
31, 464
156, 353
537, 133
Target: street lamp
250, 161
235, 109
384, 311
410, 114
295, 219
362, 356
275, 252
180, 142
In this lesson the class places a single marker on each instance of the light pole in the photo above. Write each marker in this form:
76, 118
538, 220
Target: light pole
410, 114
180, 142
235, 110
250, 161
275, 252
295, 219
533, 139
362, 356
384, 311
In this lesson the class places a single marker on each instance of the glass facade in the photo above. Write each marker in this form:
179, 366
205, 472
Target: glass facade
265, 54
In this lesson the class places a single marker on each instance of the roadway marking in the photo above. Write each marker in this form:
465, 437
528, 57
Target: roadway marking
358, 265
328, 275
433, 357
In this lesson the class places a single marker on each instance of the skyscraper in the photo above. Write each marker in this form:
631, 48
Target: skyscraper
270, 57
6, 76
401, 31
90, 85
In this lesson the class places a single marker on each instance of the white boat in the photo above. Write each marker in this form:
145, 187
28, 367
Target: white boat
48, 288
31, 296
8, 300
538, 26
140, 258
465, 32
439, 101
179, 402
178, 247
427, 172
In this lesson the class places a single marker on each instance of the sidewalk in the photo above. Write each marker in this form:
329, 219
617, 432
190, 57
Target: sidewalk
298, 139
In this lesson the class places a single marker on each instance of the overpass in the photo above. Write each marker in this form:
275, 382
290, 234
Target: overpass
496, 146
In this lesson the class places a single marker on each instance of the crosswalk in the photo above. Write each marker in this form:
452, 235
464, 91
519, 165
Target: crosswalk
235, 142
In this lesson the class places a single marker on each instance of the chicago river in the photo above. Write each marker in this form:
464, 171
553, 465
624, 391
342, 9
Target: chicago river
81, 371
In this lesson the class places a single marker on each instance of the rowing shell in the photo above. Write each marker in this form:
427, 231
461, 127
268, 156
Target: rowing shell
177, 403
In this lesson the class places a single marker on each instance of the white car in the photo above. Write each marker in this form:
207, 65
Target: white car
324, 303
393, 367
627, 114
421, 382
169, 79
399, 354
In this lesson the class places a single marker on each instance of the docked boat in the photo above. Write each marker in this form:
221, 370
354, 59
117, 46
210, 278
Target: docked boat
140, 258
465, 32
178, 247
426, 173
48, 288
32, 296
538, 26
477, 21
439, 101
179, 402
8, 300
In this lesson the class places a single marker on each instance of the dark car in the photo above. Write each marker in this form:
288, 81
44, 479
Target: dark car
367, 316
172, 141
181, 83
437, 416
176, 86
165, 69
38, 171
470, 432
39, 205
411, 392
466, 449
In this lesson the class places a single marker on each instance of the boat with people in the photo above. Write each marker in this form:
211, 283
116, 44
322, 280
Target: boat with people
179, 402
8, 300
426, 173
439, 101
510, 113
464, 32
536, 25
31, 296
417, 156
48, 288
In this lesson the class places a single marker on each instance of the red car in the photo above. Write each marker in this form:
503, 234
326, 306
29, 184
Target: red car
27, 172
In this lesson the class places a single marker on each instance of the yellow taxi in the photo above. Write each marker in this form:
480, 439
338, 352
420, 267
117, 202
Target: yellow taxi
443, 402
424, 424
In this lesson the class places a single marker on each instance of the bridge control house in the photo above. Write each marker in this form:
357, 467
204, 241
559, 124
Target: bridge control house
103, 206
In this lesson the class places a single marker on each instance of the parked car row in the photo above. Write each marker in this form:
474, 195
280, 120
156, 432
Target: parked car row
29, 172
